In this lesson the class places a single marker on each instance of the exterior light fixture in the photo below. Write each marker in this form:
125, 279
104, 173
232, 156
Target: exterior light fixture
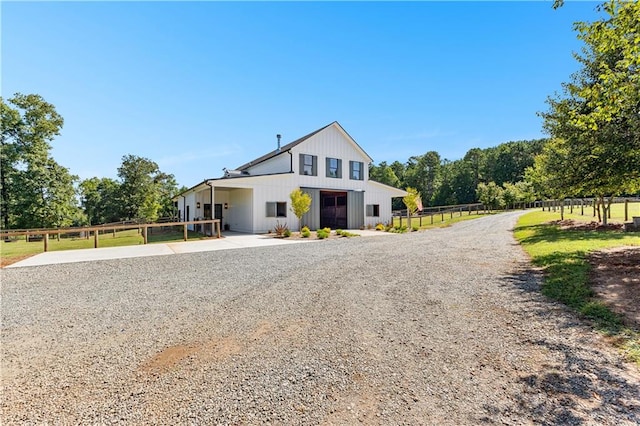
198, 205
226, 206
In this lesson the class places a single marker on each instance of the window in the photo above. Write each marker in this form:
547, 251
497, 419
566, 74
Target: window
276, 209
334, 168
355, 170
308, 165
373, 210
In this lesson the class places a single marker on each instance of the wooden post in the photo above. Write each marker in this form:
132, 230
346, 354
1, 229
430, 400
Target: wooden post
626, 210
432, 218
144, 234
469, 210
451, 213
218, 228
95, 238
582, 206
571, 205
46, 241
185, 232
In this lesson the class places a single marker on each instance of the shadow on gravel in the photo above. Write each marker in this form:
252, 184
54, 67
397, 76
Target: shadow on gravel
551, 233
574, 385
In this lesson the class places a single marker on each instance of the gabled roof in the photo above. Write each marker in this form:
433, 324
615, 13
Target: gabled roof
293, 144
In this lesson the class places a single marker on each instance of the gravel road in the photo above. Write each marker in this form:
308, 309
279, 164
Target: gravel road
438, 327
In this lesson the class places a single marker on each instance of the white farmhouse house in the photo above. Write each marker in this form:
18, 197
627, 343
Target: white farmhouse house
327, 164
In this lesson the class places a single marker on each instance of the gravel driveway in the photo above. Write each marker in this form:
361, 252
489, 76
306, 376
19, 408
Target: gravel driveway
437, 327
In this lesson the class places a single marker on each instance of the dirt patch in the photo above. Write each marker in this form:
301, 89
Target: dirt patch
574, 225
615, 278
6, 261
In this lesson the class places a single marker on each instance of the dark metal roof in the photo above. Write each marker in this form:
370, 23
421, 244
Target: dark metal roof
283, 149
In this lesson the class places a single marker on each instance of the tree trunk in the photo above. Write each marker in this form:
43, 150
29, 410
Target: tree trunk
602, 203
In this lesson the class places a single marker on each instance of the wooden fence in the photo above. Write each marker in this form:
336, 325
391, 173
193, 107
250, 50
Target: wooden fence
588, 203
199, 225
429, 212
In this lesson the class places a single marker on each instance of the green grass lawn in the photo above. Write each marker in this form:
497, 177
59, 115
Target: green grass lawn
562, 254
437, 220
19, 249
617, 213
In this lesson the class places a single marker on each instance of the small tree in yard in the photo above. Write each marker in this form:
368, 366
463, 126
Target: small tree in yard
300, 204
489, 194
411, 200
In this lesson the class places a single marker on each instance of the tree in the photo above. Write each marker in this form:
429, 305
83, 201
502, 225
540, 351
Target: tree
145, 192
412, 201
489, 194
300, 204
99, 198
35, 190
596, 122
384, 174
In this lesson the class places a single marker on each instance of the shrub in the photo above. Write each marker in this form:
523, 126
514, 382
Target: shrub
305, 229
415, 228
306, 233
280, 229
287, 233
379, 227
322, 233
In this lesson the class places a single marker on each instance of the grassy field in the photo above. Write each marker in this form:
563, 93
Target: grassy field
11, 252
437, 220
562, 254
617, 213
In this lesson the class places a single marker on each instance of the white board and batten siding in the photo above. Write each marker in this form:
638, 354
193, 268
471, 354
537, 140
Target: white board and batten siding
273, 179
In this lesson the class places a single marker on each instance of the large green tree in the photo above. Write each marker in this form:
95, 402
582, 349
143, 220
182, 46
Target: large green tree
596, 120
145, 192
99, 198
35, 190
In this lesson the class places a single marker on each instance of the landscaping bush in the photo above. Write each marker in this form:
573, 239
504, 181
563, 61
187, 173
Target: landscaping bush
322, 233
306, 233
380, 227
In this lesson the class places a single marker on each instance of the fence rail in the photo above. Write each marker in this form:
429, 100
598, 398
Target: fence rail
143, 227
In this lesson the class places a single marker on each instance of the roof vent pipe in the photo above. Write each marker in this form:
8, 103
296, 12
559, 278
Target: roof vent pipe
278, 136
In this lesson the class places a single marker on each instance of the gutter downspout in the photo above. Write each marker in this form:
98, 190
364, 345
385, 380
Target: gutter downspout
291, 155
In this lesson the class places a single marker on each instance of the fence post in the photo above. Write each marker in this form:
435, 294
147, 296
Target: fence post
144, 234
185, 232
95, 238
218, 228
626, 210
46, 241
582, 206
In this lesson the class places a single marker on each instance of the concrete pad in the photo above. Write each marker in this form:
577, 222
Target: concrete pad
230, 240
85, 255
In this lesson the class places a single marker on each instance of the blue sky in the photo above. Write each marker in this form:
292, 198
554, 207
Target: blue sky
199, 86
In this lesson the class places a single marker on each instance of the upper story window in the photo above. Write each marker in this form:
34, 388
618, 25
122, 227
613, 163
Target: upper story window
334, 168
308, 165
356, 170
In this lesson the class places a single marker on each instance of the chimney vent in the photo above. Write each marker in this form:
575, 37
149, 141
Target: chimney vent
278, 136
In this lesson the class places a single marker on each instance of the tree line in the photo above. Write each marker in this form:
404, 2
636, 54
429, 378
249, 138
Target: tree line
37, 192
495, 175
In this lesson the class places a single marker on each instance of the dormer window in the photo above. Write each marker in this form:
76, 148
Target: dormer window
308, 165
356, 171
334, 168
